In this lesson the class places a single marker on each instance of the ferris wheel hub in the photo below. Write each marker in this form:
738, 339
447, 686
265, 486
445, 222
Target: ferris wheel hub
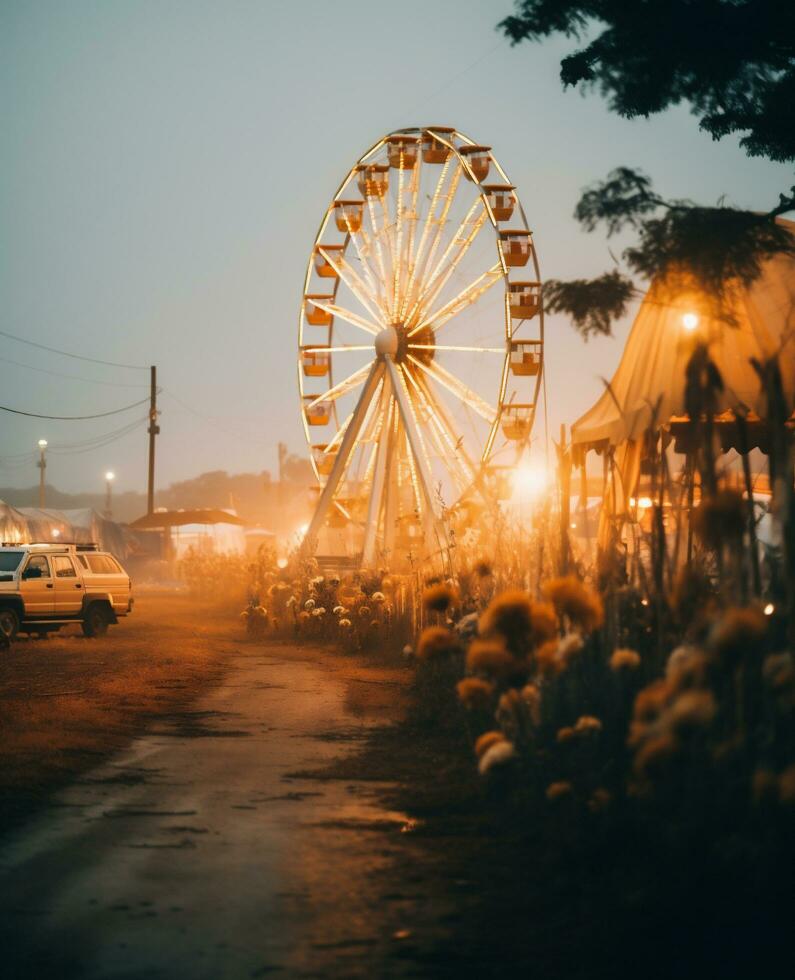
386, 342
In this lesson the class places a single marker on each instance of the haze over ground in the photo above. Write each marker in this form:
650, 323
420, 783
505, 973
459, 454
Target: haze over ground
164, 168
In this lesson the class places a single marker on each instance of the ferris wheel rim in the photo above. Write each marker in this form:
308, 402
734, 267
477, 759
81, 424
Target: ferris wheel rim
447, 137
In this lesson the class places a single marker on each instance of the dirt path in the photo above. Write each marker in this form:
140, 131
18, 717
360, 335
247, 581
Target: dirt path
201, 850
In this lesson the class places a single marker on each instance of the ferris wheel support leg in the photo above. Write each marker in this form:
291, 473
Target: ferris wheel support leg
377, 491
431, 505
346, 448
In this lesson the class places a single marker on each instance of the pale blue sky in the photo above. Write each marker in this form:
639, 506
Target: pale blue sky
164, 166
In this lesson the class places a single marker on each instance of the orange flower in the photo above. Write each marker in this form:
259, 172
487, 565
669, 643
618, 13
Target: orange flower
475, 694
624, 660
573, 599
491, 658
651, 701
436, 642
486, 740
547, 660
520, 621
439, 598
737, 635
557, 792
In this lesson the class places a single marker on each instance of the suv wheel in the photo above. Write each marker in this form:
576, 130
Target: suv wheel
9, 623
96, 620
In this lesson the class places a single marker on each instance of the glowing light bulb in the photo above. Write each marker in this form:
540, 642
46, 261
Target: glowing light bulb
282, 563
42, 443
530, 478
690, 321
769, 609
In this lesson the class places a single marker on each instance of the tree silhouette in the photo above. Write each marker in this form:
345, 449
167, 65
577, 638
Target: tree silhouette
733, 62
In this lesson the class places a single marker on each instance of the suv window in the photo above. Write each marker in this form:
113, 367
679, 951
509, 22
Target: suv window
64, 567
102, 565
37, 567
9, 560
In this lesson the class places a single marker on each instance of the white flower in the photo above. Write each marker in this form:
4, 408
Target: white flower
498, 755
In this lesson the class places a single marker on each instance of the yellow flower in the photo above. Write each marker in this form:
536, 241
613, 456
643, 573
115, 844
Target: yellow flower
573, 599
436, 642
623, 659
486, 740
475, 694
557, 792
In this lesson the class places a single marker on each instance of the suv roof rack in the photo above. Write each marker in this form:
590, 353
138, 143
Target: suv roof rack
65, 545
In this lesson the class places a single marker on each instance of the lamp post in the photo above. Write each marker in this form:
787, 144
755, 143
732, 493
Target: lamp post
42, 465
110, 476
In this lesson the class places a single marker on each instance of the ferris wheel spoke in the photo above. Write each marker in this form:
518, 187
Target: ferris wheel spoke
352, 280
455, 441
445, 447
349, 317
340, 349
457, 388
471, 294
421, 269
439, 279
415, 258
342, 388
412, 217
366, 269
368, 249
417, 456
379, 252
380, 467
346, 448
470, 350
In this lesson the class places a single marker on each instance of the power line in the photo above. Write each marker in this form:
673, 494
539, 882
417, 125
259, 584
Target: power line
71, 377
72, 448
74, 418
77, 357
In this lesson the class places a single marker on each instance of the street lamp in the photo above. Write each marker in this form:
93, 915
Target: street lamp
42, 465
110, 476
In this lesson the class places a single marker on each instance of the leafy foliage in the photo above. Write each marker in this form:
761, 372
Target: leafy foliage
733, 62
591, 303
650, 56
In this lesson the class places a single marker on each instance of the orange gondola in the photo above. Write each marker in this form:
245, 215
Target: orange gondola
324, 459
525, 358
402, 152
318, 414
348, 215
373, 179
501, 199
315, 363
479, 160
314, 314
433, 151
323, 267
524, 299
516, 247
517, 421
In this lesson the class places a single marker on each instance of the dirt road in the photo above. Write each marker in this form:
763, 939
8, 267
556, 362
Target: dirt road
206, 850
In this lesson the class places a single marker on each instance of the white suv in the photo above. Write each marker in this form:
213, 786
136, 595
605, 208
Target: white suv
46, 586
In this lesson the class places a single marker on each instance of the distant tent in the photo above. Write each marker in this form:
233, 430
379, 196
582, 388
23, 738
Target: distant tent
647, 390
13, 524
81, 526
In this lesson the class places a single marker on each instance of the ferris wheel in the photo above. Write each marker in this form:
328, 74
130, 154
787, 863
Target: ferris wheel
421, 343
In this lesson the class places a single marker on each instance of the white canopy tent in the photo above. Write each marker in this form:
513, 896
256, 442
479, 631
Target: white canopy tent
647, 390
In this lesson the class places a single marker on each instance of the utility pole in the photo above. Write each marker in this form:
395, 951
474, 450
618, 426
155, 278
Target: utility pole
42, 465
154, 430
